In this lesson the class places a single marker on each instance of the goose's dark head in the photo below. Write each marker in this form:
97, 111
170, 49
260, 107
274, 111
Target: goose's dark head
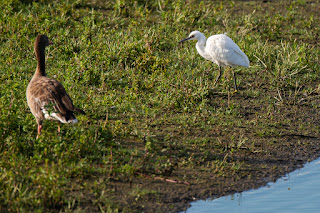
42, 41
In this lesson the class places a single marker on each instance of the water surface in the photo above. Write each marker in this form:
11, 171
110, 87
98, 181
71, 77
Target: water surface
297, 192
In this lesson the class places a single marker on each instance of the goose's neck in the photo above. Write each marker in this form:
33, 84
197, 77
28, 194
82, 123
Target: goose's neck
41, 67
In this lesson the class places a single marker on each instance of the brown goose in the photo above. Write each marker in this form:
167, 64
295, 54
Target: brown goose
46, 97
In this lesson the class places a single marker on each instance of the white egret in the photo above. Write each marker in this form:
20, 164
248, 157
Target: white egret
221, 50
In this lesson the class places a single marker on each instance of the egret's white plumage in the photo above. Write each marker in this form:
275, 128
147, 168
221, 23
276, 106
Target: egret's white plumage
219, 49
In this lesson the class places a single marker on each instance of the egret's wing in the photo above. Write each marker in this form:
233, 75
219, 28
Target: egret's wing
225, 52
240, 58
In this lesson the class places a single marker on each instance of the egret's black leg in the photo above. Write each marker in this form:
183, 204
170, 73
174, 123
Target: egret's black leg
218, 77
234, 81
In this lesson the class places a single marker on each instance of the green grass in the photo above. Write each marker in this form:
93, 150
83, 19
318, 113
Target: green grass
151, 104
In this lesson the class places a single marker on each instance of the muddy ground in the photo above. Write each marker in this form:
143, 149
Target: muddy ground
291, 139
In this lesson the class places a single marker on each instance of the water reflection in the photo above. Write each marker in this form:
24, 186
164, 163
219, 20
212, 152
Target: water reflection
297, 192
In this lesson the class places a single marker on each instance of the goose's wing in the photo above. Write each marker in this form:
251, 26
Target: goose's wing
48, 95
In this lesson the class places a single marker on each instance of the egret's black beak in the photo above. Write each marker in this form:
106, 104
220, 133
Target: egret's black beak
186, 39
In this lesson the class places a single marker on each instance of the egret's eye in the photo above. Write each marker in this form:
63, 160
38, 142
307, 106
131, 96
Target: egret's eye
192, 36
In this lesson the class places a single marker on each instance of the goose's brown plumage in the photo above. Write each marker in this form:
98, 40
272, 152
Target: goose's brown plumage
46, 97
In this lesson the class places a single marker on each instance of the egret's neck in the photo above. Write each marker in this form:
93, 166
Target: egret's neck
201, 47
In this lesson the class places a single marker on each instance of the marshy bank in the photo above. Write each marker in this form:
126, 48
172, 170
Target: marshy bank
158, 134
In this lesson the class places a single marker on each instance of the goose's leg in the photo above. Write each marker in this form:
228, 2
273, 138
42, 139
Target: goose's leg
59, 127
218, 77
39, 130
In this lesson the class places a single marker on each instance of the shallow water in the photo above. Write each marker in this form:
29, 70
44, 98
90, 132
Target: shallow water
297, 192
